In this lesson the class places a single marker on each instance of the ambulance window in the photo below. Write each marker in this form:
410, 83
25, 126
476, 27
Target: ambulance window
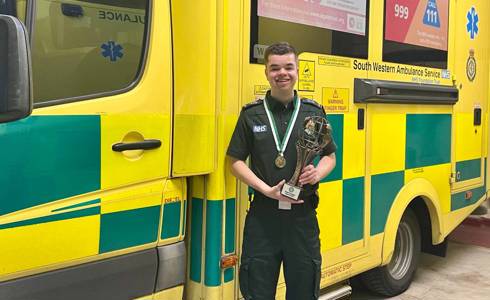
14, 8
88, 47
322, 26
416, 32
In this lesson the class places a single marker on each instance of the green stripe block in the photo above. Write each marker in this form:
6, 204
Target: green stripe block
384, 188
171, 220
469, 169
128, 228
458, 200
58, 217
214, 231
337, 122
196, 239
229, 274
86, 203
230, 222
428, 140
47, 158
352, 210
184, 221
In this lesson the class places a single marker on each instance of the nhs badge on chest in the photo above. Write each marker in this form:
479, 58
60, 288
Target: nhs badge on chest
259, 128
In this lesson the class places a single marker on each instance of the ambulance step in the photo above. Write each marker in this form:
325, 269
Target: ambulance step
340, 292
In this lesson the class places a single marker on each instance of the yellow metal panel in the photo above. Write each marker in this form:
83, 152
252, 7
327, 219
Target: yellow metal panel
438, 176
174, 293
150, 297
193, 290
468, 137
341, 263
330, 214
142, 196
354, 148
212, 293
387, 131
39, 245
175, 191
229, 289
454, 218
335, 256
195, 87
476, 91
170, 294
197, 187
216, 180
120, 168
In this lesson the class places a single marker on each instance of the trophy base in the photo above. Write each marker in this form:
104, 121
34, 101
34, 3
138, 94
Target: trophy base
291, 191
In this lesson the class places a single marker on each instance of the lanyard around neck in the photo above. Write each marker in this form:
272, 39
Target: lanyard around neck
281, 145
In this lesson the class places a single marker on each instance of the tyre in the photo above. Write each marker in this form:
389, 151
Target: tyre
395, 278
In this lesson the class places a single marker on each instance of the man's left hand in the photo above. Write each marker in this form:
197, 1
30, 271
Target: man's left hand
309, 175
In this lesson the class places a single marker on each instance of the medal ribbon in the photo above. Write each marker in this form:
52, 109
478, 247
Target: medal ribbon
281, 145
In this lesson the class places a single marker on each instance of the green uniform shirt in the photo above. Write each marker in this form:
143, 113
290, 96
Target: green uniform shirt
253, 137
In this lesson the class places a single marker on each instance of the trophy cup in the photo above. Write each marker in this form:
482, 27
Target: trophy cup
315, 135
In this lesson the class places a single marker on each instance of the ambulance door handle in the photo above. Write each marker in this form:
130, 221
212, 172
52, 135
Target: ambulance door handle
143, 145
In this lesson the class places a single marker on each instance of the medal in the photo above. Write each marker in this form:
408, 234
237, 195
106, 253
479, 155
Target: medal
280, 160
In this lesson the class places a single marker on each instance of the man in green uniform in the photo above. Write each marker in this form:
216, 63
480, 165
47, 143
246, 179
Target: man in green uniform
278, 229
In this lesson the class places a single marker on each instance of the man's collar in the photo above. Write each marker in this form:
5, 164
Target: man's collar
275, 104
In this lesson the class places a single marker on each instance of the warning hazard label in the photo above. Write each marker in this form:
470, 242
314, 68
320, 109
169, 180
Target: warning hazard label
306, 80
335, 99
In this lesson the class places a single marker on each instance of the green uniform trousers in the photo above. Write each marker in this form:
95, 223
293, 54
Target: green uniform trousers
272, 236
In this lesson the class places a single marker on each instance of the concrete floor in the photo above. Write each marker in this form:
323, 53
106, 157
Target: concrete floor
464, 274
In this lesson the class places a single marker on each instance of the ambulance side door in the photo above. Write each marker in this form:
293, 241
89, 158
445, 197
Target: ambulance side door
82, 177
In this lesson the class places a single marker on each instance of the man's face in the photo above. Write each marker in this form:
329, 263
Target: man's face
282, 72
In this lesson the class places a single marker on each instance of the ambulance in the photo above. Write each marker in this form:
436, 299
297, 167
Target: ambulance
115, 117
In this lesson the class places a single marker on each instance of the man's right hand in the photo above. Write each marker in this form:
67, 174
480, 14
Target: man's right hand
275, 193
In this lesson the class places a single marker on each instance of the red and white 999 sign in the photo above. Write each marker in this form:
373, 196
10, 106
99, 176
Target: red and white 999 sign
401, 11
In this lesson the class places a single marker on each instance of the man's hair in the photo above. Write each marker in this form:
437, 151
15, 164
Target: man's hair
280, 48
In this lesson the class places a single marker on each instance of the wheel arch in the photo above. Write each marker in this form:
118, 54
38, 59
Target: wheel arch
420, 195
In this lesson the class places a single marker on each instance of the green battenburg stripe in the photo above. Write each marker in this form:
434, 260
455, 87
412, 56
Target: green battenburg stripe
384, 188
128, 228
58, 217
171, 220
229, 274
58, 156
214, 232
196, 239
428, 140
469, 169
86, 203
230, 226
184, 220
459, 200
337, 123
352, 210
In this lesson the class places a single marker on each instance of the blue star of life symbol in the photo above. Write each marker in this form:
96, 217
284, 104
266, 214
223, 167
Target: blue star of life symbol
112, 50
472, 26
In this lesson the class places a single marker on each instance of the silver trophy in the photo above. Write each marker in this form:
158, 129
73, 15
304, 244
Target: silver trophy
315, 135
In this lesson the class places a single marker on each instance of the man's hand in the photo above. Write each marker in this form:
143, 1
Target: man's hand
275, 193
309, 175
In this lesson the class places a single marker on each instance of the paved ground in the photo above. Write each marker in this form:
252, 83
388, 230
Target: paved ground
463, 275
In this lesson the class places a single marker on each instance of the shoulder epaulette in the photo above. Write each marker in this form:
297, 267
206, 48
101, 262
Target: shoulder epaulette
252, 104
311, 102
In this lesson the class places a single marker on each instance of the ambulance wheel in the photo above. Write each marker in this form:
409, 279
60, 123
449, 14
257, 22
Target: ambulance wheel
395, 278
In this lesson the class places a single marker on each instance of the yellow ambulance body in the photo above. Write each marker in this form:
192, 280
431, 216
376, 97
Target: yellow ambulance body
117, 185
